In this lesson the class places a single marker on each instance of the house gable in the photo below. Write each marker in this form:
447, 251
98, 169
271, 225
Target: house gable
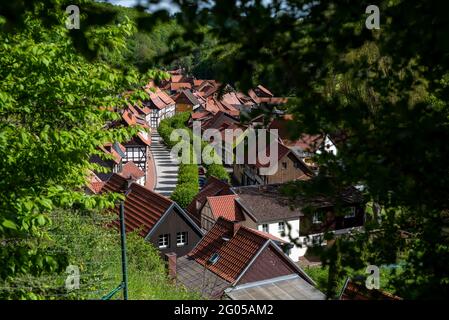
268, 264
173, 221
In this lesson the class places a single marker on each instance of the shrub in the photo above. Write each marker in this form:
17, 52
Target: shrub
217, 171
184, 194
188, 173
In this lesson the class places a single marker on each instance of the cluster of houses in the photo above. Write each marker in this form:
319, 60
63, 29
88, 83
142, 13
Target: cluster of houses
238, 240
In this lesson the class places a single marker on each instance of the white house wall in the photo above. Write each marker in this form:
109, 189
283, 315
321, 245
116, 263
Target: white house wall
329, 146
295, 252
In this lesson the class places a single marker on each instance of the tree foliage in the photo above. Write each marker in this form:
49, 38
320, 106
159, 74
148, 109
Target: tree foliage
54, 105
381, 93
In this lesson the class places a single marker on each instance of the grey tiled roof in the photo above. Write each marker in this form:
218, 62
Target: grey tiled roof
283, 288
266, 203
196, 278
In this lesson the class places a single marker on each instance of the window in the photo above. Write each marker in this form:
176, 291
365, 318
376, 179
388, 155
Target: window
135, 154
284, 165
265, 227
350, 212
316, 217
281, 226
181, 239
164, 241
316, 240
154, 121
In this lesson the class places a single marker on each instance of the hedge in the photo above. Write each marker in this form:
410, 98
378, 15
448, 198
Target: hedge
184, 194
218, 171
188, 173
188, 179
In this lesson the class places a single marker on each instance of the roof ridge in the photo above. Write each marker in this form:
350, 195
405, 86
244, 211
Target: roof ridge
223, 195
252, 231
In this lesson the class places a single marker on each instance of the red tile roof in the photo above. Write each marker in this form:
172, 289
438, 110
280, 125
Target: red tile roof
145, 138
231, 98
265, 90
226, 207
213, 187
235, 251
211, 105
94, 183
97, 186
217, 121
116, 183
158, 98
143, 207
269, 100
108, 148
165, 97
358, 291
200, 115
176, 78
130, 170
175, 86
197, 82
306, 142
131, 117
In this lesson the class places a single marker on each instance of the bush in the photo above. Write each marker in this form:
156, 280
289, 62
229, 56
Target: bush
184, 194
218, 171
188, 173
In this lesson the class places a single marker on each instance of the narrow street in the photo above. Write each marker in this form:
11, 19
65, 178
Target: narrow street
166, 167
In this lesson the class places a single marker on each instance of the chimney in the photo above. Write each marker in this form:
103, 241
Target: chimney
171, 264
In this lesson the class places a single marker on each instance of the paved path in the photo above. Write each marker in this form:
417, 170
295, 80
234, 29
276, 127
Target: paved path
166, 166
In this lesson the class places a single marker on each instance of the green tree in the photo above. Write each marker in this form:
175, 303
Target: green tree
382, 93
54, 105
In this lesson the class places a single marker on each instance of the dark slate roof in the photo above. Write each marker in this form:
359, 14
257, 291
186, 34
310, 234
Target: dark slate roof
265, 203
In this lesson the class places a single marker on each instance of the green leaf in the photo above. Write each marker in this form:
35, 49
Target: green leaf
9, 224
